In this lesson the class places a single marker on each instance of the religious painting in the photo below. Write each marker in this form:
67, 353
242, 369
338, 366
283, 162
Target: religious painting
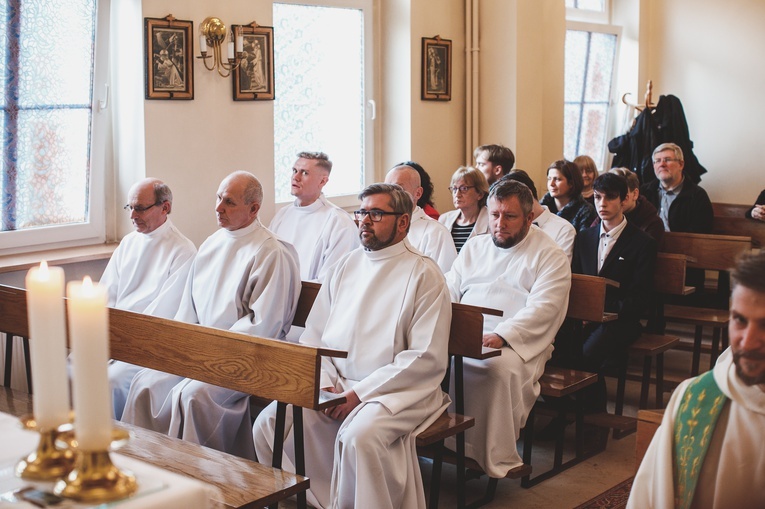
436, 69
253, 78
169, 58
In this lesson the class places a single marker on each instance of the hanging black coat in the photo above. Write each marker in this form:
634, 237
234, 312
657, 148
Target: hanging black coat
665, 124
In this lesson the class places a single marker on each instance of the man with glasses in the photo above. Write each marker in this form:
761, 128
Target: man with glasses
521, 271
388, 306
683, 205
425, 233
320, 231
243, 279
147, 272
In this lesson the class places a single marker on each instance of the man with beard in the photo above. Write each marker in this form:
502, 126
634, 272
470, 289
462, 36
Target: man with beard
388, 306
708, 451
521, 271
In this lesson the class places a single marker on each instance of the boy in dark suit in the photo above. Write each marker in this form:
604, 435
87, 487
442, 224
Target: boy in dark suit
617, 250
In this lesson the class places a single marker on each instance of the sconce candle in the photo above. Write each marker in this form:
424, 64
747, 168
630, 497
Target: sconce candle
239, 42
47, 330
230, 50
89, 334
202, 44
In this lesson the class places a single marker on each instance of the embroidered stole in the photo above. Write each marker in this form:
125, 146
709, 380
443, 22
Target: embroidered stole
696, 419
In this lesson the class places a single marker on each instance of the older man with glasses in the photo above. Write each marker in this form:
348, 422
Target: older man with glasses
147, 272
682, 204
388, 306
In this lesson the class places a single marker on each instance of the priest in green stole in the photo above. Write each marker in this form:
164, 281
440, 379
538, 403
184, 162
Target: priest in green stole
709, 451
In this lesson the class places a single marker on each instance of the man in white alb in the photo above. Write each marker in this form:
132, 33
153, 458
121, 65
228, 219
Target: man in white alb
387, 305
243, 279
147, 272
320, 231
521, 271
560, 230
709, 451
425, 233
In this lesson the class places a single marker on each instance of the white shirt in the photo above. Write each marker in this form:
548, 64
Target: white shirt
147, 272
432, 239
320, 232
608, 240
560, 230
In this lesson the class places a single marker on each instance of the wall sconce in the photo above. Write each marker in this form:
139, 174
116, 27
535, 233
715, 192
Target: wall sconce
213, 35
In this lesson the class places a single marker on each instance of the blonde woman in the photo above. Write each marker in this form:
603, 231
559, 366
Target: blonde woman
589, 173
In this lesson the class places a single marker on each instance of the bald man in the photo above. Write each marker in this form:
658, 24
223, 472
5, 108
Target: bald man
243, 279
427, 235
147, 272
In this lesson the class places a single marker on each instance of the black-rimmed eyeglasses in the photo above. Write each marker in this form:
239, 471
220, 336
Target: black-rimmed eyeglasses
140, 209
374, 215
461, 189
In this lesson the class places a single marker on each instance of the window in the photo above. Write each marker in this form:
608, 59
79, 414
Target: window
47, 64
589, 75
323, 83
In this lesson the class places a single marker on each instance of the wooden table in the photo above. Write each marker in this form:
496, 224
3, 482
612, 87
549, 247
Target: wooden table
240, 483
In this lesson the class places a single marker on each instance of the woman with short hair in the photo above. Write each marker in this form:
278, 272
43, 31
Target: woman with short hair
469, 191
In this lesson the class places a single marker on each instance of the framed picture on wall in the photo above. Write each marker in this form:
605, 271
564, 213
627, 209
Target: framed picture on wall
436, 69
253, 78
169, 61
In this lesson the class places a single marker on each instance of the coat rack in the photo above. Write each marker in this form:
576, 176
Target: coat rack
648, 98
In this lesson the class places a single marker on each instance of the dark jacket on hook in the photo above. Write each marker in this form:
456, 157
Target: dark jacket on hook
664, 124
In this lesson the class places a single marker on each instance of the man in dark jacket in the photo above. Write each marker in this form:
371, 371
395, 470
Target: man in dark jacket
683, 205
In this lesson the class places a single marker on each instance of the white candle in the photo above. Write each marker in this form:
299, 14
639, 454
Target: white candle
47, 338
89, 336
202, 44
239, 42
230, 50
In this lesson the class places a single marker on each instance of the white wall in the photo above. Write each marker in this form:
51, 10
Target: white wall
709, 55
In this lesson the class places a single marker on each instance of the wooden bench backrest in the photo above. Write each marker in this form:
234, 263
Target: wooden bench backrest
587, 298
466, 333
707, 251
13, 311
729, 219
267, 368
308, 294
669, 275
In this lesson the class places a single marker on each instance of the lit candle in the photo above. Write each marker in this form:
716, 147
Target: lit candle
202, 44
230, 50
47, 332
239, 42
89, 335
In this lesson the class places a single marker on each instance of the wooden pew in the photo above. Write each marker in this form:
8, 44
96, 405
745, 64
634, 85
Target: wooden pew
729, 219
286, 372
648, 423
707, 252
241, 483
13, 309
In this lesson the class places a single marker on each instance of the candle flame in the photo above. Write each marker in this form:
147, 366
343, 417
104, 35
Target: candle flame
87, 283
43, 274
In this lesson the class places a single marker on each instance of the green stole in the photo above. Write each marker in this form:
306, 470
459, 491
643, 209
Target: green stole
696, 419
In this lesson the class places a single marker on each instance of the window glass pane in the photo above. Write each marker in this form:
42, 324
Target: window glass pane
576, 59
56, 59
3, 53
590, 5
319, 82
600, 67
571, 119
52, 167
592, 137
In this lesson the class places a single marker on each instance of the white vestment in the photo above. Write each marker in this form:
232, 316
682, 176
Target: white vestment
733, 472
146, 274
529, 283
560, 230
246, 281
320, 232
390, 310
481, 224
432, 239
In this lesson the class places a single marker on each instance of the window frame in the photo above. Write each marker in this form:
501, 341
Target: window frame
369, 103
611, 121
589, 16
93, 231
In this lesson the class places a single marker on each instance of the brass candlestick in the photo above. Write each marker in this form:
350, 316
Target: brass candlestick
48, 462
94, 478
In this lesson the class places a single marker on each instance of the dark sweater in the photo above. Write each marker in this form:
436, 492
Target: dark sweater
690, 212
646, 217
578, 212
